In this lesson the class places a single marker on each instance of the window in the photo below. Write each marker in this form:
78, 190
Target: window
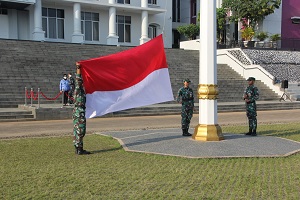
90, 26
153, 2
53, 23
124, 28
176, 11
194, 9
152, 31
3, 11
123, 1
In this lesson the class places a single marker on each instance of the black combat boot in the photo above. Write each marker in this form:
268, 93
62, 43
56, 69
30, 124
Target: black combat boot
254, 133
81, 151
250, 132
185, 132
76, 150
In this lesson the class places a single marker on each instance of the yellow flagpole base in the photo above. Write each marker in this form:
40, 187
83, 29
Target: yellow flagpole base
204, 132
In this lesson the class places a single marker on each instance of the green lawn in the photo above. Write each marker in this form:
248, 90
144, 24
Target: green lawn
47, 168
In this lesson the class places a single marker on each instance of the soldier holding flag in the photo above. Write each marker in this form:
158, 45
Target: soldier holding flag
79, 120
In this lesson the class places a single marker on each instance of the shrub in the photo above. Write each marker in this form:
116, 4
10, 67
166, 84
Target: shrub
190, 31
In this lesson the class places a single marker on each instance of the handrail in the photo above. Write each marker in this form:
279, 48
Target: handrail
248, 68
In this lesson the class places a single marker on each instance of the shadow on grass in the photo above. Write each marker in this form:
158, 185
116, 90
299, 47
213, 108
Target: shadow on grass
107, 150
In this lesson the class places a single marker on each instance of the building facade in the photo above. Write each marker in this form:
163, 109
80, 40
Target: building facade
109, 22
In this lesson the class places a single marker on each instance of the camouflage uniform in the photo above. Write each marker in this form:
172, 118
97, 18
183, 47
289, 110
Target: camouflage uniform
185, 95
252, 94
79, 120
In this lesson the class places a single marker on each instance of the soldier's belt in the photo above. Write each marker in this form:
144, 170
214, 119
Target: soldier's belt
187, 99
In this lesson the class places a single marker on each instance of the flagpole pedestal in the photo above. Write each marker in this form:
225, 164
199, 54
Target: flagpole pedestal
208, 129
204, 132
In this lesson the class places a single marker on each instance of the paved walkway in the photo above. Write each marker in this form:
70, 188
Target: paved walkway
162, 133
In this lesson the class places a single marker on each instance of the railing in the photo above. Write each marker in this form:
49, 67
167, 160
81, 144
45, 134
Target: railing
32, 96
292, 44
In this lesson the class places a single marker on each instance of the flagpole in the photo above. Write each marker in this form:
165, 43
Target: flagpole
208, 128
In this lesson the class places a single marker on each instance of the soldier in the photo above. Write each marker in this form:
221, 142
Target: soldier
250, 97
185, 96
72, 88
79, 120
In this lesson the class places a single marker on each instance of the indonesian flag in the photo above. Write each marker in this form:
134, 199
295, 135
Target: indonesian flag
129, 79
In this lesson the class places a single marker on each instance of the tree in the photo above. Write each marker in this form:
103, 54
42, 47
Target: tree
251, 10
221, 21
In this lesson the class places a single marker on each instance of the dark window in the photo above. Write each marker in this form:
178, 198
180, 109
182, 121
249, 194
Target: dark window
90, 26
124, 28
53, 21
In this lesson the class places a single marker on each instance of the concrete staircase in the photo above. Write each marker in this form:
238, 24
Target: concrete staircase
293, 91
41, 65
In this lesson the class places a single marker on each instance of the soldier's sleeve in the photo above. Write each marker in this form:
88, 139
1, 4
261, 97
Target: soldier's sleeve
178, 97
256, 93
254, 96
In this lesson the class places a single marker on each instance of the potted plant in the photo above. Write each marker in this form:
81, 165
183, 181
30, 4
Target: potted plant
274, 39
261, 36
247, 35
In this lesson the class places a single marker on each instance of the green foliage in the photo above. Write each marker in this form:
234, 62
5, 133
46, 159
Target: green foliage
190, 31
221, 21
261, 36
275, 37
254, 10
247, 33
47, 168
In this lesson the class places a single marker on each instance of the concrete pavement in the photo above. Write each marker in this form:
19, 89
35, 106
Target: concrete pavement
64, 127
162, 135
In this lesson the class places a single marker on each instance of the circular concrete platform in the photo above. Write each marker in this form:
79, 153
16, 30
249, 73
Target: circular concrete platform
171, 142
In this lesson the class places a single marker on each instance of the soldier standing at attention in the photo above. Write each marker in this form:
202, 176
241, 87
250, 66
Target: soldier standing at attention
72, 88
185, 96
250, 97
79, 120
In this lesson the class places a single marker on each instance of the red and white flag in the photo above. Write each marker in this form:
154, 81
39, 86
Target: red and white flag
129, 79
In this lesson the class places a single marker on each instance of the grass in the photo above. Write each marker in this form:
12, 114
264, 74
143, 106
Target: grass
47, 168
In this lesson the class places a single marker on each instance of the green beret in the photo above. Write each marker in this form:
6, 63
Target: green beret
251, 79
187, 80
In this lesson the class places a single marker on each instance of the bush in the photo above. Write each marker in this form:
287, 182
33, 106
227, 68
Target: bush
275, 37
190, 31
261, 36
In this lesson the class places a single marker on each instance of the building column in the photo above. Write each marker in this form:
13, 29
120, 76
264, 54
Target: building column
38, 33
77, 36
208, 128
112, 38
144, 26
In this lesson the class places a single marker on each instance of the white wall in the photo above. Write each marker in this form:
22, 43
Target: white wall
185, 11
20, 24
13, 24
165, 22
4, 27
23, 25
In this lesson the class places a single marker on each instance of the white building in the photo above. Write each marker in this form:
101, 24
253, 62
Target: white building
109, 22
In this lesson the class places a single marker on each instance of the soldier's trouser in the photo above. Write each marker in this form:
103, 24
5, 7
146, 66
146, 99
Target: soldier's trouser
252, 122
79, 129
186, 116
71, 92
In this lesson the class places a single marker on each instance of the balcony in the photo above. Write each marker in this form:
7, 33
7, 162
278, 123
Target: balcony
16, 4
